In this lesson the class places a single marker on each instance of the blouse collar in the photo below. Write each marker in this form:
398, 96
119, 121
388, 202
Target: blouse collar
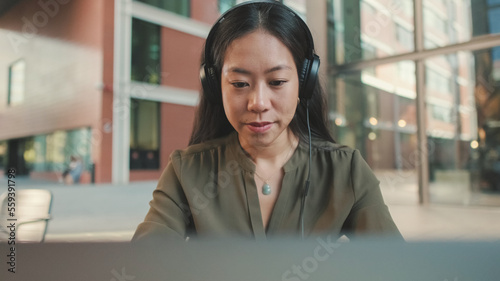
299, 156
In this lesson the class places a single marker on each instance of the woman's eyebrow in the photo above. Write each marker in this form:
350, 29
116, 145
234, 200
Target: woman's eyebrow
239, 70
272, 69
278, 67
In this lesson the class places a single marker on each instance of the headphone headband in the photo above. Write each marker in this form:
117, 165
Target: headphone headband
308, 72
213, 30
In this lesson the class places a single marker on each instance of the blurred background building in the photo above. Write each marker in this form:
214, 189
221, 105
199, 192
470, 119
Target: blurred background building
413, 84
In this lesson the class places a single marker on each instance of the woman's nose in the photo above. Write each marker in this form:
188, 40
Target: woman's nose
259, 99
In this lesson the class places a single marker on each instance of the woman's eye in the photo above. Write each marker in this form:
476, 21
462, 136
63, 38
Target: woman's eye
277, 82
240, 84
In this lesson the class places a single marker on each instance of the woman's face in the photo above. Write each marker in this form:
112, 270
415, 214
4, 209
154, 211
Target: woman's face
260, 89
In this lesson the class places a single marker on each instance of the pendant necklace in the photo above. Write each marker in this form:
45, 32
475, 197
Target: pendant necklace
266, 188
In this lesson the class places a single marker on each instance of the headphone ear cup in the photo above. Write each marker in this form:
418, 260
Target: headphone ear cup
210, 84
308, 77
303, 75
203, 79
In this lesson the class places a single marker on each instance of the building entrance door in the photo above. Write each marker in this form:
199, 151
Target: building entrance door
15, 156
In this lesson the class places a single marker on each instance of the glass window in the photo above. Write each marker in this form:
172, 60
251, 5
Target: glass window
352, 23
146, 64
52, 152
495, 57
494, 16
19, 155
3, 155
367, 8
40, 147
429, 43
436, 81
376, 113
369, 51
406, 71
459, 20
181, 7
144, 134
407, 6
55, 151
405, 37
57, 148
406, 114
225, 5
441, 113
435, 19
452, 11
333, 38
299, 6
464, 133
374, 109
79, 143
16, 83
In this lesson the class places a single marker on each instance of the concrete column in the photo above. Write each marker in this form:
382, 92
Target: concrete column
121, 92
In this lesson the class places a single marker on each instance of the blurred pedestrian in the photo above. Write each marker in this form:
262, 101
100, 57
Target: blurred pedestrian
74, 171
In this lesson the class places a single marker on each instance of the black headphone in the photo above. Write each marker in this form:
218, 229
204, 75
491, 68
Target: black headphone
308, 74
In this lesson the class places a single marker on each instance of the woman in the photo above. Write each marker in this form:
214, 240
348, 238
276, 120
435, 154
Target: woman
250, 160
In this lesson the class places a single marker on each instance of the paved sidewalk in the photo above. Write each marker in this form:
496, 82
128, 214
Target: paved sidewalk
94, 212
451, 223
107, 212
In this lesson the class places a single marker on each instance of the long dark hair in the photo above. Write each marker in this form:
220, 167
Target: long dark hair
211, 121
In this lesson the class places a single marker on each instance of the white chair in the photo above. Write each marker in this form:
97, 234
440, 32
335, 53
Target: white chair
32, 214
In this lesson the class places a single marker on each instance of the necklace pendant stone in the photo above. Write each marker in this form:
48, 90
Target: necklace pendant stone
266, 189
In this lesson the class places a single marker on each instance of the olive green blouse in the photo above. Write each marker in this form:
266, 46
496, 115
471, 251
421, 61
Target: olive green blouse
209, 190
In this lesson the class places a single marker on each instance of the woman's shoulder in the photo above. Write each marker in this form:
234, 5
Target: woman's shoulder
336, 153
327, 146
208, 147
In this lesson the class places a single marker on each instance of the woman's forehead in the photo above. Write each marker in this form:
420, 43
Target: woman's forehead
258, 46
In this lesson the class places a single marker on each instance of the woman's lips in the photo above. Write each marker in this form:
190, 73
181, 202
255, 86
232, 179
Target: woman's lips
259, 127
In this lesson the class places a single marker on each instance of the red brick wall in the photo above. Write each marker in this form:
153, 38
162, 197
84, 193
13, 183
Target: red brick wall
180, 59
104, 156
176, 127
205, 10
68, 49
180, 62
63, 66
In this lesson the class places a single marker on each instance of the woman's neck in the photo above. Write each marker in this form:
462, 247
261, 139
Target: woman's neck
273, 154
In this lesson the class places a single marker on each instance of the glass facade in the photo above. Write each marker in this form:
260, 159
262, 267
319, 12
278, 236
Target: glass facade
144, 134
374, 110
3, 155
52, 152
181, 7
146, 64
225, 5
373, 106
451, 126
456, 21
367, 29
298, 6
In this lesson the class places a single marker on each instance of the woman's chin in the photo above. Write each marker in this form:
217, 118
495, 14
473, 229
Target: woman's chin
262, 140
